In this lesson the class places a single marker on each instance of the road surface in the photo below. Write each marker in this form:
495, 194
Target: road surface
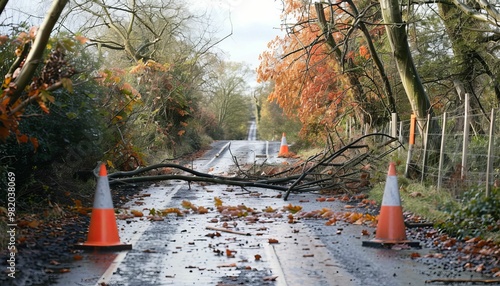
263, 247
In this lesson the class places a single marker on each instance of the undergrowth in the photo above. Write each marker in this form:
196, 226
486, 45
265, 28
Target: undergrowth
477, 215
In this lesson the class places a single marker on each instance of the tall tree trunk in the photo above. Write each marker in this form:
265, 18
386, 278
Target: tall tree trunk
419, 100
396, 31
376, 60
3, 3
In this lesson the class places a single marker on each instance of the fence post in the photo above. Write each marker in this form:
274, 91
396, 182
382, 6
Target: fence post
400, 136
465, 145
413, 121
426, 137
394, 127
491, 140
441, 153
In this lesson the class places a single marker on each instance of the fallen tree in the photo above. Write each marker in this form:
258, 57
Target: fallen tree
345, 170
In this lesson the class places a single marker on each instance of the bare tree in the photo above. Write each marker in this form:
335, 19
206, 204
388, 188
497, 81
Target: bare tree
142, 30
227, 98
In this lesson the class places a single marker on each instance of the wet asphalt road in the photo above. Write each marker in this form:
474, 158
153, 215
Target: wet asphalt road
185, 251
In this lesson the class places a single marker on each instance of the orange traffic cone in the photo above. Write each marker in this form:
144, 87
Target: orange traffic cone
103, 231
391, 226
283, 147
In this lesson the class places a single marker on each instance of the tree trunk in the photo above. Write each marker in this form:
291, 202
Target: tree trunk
377, 61
419, 100
396, 32
466, 36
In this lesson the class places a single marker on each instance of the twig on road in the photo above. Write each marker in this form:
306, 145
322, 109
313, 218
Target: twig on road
228, 230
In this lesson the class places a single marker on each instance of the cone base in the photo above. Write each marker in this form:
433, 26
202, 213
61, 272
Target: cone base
389, 244
116, 247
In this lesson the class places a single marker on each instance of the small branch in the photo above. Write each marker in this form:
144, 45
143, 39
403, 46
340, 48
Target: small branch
228, 230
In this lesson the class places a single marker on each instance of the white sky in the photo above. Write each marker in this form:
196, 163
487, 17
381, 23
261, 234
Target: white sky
255, 23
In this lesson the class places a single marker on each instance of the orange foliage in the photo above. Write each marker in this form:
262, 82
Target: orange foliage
363, 51
55, 73
309, 79
306, 84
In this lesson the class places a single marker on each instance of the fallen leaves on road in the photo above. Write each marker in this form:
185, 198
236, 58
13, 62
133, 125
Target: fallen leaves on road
414, 255
269, 210
217, 201
213, 234
172, 211
137, 213
333, 217
292, 209
230, 253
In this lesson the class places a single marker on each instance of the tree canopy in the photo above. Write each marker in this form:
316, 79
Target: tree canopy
370, 59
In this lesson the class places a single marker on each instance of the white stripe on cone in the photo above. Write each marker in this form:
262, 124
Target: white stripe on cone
391, 192
102, 198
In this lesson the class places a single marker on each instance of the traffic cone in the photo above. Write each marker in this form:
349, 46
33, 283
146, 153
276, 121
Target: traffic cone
103, 231
283, 147
391, 226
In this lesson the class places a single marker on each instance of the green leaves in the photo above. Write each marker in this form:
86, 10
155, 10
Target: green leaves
477, 216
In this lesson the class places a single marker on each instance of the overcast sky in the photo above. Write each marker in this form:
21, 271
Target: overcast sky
255, 23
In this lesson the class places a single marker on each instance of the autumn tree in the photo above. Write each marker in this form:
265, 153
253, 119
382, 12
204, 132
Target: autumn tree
357, 33
227, 97
52, 120
319, 67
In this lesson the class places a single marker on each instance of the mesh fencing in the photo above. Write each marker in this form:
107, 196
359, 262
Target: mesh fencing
437, 157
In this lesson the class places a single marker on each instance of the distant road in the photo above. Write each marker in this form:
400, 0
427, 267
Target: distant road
252, 131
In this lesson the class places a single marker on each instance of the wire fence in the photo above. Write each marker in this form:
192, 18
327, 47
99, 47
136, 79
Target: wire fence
450, 156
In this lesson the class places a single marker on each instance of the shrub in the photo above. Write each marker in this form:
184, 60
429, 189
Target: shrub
477, 215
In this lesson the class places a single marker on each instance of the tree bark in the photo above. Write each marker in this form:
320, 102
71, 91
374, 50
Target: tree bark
350, 77
396, 31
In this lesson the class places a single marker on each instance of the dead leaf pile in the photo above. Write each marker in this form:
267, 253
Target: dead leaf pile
332, 217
